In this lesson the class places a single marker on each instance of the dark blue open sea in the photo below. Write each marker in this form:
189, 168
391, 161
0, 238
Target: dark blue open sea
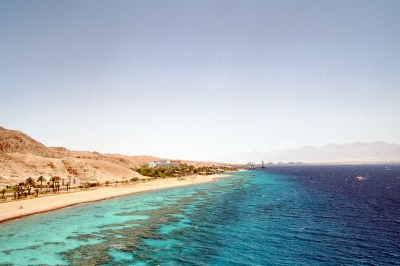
289, 215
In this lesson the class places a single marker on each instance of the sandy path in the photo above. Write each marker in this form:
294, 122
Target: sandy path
12, 209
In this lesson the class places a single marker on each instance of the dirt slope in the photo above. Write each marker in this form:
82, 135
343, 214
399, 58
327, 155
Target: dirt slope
21, 157
15, 141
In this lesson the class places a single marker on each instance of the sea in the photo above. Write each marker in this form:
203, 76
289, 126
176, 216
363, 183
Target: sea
280, 215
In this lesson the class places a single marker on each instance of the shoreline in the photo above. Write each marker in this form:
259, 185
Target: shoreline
11, 210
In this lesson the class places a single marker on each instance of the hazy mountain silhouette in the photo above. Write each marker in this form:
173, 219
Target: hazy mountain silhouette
333, 153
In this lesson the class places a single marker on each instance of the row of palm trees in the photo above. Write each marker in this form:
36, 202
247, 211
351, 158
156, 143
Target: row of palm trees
54, 182
181, 170
123, 182
26, 187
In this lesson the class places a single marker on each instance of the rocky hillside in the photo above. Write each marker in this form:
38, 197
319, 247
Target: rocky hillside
21, 157
12, 141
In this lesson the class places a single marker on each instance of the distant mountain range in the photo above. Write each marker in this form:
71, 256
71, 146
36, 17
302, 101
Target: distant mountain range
358, 152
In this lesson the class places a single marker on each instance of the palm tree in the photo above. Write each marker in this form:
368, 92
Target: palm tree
41, 179
29, 183
3, 191
18, 190
53, 180
57, 181
15, 189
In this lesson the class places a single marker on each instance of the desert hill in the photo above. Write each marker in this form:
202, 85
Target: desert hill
21, 157
12, 141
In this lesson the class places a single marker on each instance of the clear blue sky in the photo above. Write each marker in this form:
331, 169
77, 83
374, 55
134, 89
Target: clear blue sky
200, 79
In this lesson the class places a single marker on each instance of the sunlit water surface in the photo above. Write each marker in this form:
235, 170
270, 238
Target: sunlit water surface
293, 215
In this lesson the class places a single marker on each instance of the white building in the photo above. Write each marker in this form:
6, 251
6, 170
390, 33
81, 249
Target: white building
162, 164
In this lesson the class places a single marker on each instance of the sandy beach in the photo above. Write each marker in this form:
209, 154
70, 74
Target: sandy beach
19, 208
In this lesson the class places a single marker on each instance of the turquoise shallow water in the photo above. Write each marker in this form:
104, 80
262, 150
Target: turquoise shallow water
283, 216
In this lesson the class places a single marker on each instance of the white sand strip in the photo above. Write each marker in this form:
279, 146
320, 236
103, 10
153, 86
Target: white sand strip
12, 209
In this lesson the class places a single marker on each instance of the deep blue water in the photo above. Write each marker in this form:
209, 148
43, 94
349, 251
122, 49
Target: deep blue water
289, 215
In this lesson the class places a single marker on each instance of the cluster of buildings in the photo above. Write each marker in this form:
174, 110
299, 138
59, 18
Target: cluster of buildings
164, 164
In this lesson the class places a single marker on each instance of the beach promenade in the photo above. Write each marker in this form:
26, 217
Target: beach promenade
19, 208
